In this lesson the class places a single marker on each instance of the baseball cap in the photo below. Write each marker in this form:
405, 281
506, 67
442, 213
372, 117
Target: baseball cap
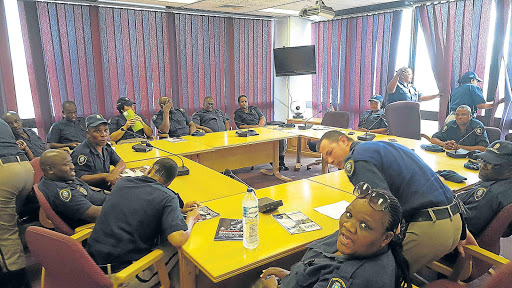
468, 76
125, 101
94, 120
377, 98
498, 152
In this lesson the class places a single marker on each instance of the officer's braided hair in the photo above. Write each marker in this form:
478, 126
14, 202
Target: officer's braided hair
402, 278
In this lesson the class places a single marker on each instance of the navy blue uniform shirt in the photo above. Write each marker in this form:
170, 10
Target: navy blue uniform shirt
65, 131
252, 117
320, 268
136, 213
71, 199
451, 131
212, 119
178, 122
466, 94
484, 201
8, 146
371, 120
403, 92
115, 123
398, 169
34, 142
88, 161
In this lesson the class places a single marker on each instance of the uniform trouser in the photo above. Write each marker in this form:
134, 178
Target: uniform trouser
282, 147
16, 181
428, 241
149, 277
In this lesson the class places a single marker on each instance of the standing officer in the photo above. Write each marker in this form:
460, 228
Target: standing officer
486, 199
118, 125
428, 205
210, 119
465, 128
172, 121
92, 158
71, 198
68, 132
374, 118
16, 177
33, 141
400, 88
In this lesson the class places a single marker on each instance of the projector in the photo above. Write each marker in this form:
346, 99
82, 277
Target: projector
318, 10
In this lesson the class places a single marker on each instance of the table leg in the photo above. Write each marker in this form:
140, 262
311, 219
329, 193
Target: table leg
299, 153
187, 272
275, 165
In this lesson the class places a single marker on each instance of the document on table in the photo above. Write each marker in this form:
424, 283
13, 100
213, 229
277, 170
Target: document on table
333, 210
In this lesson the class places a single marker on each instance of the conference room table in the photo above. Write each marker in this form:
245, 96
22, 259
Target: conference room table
229, 151
202, 184
220, 260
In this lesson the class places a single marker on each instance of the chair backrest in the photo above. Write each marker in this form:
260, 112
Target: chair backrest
338, 119
403, 119
65, 261
490, 239
60, 225
508, 137
493, 133
38, 173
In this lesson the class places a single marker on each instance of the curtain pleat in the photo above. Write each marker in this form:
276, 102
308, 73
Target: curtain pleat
94, 55
355, 57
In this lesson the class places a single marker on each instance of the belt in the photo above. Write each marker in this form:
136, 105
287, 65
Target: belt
436, 213
12, 159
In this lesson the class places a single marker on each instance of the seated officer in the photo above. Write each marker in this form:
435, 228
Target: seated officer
428, 205
251, 117
364, 252
374, 118
139, 213
92, 158
71, 198
172, 121
118, 125
210, 119
464, 132
34, 143
68, 132
485, 200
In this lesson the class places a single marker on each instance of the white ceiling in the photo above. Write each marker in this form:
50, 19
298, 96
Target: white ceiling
252, 7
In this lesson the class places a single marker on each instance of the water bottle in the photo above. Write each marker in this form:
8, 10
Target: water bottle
250, 219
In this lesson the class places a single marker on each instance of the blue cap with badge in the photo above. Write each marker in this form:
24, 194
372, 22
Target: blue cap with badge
468, 76
377, 98
498, 152
94, 120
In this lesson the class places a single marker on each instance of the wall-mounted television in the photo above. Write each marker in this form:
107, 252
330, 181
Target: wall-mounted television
292, 61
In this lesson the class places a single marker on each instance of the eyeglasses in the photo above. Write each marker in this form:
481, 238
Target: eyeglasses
488, 165
378, 200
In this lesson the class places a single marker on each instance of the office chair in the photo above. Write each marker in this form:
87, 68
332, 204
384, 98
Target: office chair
493, 133
404, 119
66, 263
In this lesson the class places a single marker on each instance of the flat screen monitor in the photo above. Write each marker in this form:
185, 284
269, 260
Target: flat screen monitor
292, 61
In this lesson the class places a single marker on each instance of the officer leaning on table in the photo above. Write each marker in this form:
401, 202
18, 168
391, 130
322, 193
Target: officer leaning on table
16, 176
68, 132
210, 119
92, 158
34, 143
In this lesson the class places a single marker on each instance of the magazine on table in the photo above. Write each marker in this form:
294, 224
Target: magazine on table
229, 230
296, 222
206, 213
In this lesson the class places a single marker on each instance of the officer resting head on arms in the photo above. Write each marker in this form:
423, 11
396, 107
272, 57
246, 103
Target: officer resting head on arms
210, 119
465, 128
139, 213
71, 198
366, 251
172, 121
374, 118
68, 132
92, 158
420, 191
35, 145
489, 196
118, 125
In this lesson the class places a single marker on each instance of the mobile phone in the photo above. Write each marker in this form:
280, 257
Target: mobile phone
351, 133
392, 140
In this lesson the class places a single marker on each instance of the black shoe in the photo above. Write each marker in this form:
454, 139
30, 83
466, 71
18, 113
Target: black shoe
283, 168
